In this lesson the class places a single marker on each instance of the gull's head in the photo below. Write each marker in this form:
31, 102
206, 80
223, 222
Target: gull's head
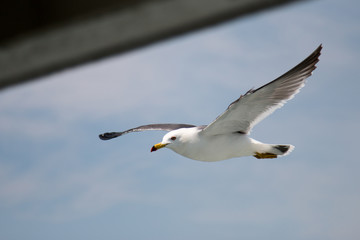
174, 139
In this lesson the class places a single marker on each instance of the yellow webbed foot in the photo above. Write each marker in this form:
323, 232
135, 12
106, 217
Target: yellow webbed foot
264, 155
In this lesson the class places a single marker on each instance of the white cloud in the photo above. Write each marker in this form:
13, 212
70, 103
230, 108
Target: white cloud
59, 189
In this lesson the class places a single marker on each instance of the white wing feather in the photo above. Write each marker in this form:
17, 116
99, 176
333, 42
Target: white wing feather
248, 110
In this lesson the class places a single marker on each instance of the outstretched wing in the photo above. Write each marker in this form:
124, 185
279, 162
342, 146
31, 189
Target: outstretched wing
162, 127
245, 112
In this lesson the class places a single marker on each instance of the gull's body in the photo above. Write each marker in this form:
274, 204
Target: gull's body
228, 136
191, 143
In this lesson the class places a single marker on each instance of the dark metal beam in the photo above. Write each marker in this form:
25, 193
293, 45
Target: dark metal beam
122, 28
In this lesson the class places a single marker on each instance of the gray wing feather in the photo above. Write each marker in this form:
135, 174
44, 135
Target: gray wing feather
161, 127
245, 112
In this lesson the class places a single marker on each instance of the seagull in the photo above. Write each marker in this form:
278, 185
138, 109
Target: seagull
228, 135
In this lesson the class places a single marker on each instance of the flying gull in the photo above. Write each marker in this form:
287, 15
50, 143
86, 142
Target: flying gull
228, 135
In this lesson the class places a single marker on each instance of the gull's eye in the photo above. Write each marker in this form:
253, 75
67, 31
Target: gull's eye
173, 138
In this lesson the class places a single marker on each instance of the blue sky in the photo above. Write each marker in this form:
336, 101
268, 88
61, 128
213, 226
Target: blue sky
59, 181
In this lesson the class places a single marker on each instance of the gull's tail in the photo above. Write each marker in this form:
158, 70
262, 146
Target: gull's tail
274, 150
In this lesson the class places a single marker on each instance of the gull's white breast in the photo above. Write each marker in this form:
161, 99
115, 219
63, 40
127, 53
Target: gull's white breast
197, 146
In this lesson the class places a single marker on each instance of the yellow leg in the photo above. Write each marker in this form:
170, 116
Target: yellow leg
264, 155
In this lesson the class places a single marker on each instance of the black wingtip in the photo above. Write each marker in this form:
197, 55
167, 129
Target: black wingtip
318, 50
108, 135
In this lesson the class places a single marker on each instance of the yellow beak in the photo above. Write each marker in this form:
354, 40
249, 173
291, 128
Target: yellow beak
157, 147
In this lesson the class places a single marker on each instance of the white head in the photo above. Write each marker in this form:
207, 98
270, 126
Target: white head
174, 139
